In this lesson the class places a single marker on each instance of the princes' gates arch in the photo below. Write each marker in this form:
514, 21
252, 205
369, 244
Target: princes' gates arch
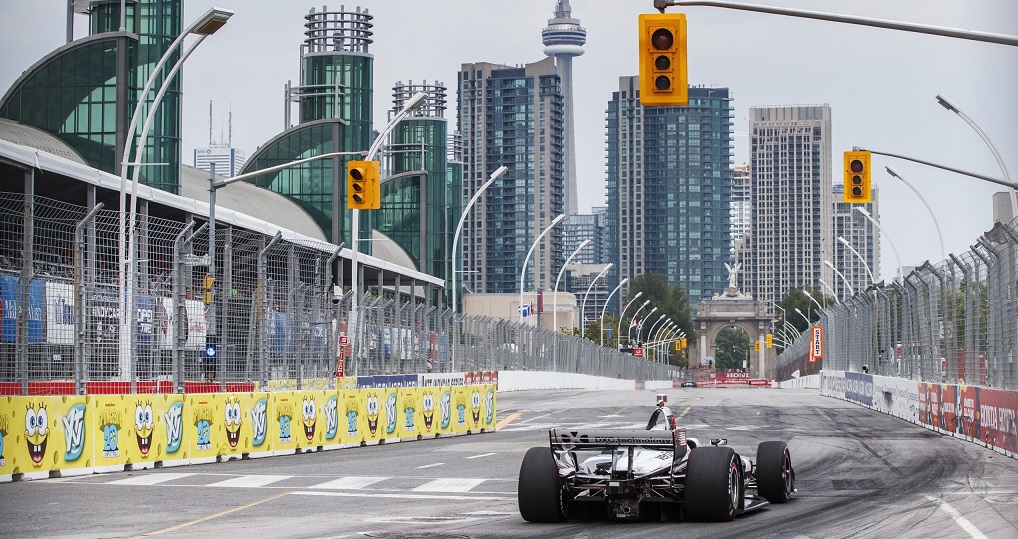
733, 309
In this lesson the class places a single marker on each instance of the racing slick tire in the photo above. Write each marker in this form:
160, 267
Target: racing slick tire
714, 485
775, 478
539, 492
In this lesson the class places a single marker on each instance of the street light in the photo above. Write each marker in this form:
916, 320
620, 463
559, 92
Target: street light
583, 310
828, 287
949, 105
645, 318
860, 209
206, 25
608, 299
640, 308
843, 279
554, 293
844, 242
806, 318
499, 172
661, 318
523, 270
623, 312
892, 172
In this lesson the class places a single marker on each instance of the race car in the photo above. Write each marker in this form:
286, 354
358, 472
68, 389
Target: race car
626, 474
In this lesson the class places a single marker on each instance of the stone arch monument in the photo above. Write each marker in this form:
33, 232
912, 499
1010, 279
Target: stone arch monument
734, 309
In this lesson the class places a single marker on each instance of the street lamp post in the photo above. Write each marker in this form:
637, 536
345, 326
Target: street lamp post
645, 318
828, 287
892, 172
806, 318
949, 105
842, 275
843, 241
523, 270
554, 293
901, 269
621, 316
499, 172
605, 308
583, 309
206, 25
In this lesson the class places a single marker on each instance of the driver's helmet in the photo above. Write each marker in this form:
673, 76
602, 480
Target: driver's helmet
661, 418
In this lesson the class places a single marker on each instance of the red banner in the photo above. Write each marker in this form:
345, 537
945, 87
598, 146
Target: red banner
997, 418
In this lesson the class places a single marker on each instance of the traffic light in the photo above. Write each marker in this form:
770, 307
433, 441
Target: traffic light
770, 340
663, 77
207, 285
678, 345
684, 342
756, 346
363, 185
857, 177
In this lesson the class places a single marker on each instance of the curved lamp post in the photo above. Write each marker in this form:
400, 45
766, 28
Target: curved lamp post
583, 309
459, 229
901, 269
842, 275
943, 252
640, 308
523, 270
845, 242
554, 293
606, 301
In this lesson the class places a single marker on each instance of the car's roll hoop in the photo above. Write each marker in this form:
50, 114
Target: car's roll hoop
570, 440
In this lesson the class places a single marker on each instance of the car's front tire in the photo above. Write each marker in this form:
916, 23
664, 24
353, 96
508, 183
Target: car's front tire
775, 478
540, 491
714, 486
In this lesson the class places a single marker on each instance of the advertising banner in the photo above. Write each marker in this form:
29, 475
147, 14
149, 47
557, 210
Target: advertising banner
445, 410
430, 399
145, 322
390, 413
39, 434
197, 325
309, 425
968, 412
461, 408
948, 408
285, 410
114, 431
488, 408
997, 419
331, 433
8, 308
166, 434
103, 316
203, 424
167, 323
859, 388
59, 313
409, 401
354, 425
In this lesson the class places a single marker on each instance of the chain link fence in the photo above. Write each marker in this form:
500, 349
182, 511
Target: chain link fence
952, 322
271, 312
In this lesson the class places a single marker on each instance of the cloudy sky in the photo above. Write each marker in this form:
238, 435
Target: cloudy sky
880, 84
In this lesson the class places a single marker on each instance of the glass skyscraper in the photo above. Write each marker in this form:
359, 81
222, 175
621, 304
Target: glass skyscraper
668, 178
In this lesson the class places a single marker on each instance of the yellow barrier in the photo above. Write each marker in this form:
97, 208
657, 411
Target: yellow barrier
42, 436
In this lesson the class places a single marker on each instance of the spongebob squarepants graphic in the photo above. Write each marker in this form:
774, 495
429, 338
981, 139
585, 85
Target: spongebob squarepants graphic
143, 427
36, 432
428, 409
475, 406
308, 413
372, 412
234, 418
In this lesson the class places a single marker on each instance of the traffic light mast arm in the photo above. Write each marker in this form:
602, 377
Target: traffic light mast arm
216, 184
1012, 185
1000, 39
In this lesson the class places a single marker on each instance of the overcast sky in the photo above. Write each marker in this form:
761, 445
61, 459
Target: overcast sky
880, 84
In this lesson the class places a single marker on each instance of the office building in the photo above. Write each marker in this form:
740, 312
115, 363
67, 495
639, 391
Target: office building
862, 236
511, 116
740, 214
668, 172
791, 195
229, 161
563, 39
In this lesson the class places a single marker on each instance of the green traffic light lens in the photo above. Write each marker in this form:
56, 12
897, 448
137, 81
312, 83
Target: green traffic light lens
358, 199
662, 63
857, 191
856, 166
662, 39
663, 83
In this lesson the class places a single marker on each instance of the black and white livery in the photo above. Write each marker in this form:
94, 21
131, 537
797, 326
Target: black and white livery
626, 474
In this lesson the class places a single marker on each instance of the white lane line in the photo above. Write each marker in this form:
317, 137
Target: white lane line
959, 519
150, 479
482, 455
250, 481
452, 484
431, 465
401, 495
351, 483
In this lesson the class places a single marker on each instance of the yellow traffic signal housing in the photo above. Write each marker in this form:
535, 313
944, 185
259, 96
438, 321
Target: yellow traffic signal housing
770, 340
663, 77
363, 185
678, 345
857, 177
207, 283
756, 346
684, 342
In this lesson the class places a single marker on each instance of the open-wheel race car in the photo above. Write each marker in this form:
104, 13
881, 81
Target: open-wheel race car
626, 474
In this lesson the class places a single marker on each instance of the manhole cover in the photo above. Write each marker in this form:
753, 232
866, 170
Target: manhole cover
414, 535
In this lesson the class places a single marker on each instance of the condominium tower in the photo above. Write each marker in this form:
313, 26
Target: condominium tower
853, 231
668, 172
511, 116
791, 195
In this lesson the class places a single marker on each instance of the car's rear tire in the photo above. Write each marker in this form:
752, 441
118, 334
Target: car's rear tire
540, 492
775, 478
714, 486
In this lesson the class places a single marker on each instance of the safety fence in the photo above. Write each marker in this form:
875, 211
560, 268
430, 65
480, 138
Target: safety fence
271, 313
953, 322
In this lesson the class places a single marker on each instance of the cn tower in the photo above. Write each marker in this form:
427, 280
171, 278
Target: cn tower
564, 38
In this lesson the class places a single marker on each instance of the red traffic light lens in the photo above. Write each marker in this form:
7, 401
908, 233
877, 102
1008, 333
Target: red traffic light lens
662, 83
856, 166
662, 63
357, 174
662, 39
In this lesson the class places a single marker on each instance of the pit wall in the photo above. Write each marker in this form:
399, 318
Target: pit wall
980, 415
54, 436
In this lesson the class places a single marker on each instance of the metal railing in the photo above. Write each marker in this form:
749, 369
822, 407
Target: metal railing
951, 322
276, 314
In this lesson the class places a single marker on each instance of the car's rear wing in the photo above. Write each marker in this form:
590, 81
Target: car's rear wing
569, 440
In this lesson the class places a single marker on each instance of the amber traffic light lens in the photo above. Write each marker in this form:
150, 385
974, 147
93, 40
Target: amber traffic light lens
856, 166
663, 83
856, 180
662, 39
662, 63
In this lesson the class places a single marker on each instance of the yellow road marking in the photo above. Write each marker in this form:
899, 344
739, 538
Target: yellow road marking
210, 517
506, 421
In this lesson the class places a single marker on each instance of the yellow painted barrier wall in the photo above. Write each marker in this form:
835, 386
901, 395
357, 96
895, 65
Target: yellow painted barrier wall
42, 436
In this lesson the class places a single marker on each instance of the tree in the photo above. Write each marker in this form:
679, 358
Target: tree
731, 349
800, 299
672, 301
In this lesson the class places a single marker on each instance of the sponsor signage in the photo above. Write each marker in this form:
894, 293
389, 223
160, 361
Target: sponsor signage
816, 347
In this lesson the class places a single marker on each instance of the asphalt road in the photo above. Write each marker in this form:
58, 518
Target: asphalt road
859, 474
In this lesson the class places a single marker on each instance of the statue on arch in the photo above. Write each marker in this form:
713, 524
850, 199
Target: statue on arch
732, 271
